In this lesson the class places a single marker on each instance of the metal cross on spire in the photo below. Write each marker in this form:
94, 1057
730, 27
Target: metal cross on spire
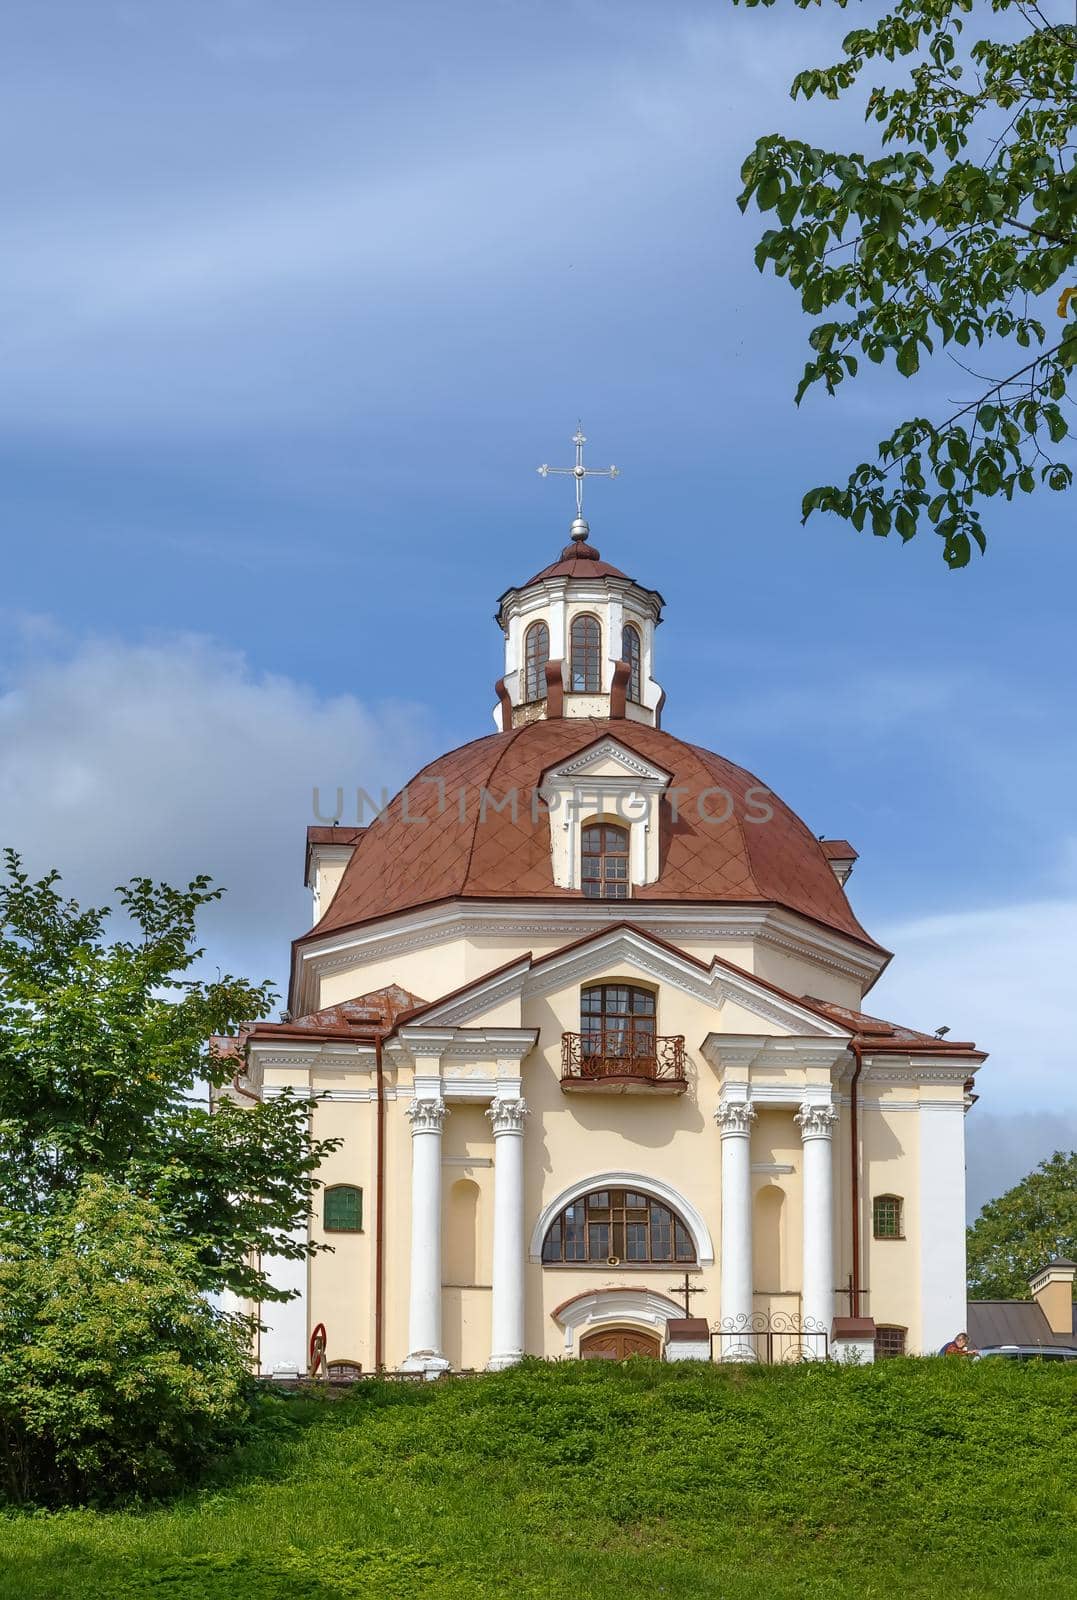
579, 472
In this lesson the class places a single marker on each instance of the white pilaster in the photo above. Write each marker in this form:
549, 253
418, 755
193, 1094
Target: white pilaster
507, 1313
427, 1118
942, 1224
734, 1119
816, 1123
282, 1345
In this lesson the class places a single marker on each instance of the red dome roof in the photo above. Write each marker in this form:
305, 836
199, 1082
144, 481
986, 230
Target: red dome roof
401, 862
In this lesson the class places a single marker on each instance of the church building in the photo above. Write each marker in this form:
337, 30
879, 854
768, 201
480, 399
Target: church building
584, 1005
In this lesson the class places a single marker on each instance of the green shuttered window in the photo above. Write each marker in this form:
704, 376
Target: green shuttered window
343, 1209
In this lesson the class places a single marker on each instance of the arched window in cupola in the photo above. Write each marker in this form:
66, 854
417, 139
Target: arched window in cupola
536, 655
585, 655
604, 861
631, 651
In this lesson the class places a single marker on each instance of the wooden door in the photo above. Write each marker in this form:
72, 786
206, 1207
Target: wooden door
614, 1344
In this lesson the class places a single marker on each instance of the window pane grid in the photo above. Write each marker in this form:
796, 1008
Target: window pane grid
889, 1342
604, 862
630, 652
886, 1216
585, 661
619, 1223
536, 655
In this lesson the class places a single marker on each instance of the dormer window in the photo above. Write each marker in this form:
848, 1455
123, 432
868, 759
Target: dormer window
631, 652
604, 861
585, 655
536, 655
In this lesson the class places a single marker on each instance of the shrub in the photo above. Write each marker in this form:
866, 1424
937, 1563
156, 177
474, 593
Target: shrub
117, 1377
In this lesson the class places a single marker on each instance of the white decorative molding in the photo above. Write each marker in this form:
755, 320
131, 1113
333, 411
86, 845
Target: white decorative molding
815, 1121
409, 931
576, 791
427, 1116
773, 1168
714, 986
508, 1116
643, 1184
734, 1117
613, 1307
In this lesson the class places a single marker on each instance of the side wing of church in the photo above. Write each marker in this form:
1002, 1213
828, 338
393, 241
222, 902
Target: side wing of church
584, 1005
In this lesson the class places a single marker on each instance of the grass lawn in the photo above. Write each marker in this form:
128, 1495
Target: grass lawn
591, 1481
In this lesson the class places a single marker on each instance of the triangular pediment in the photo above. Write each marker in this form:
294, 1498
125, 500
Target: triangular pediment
719, 986
606, 758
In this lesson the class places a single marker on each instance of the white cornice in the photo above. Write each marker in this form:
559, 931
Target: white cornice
416, 1043
570, 920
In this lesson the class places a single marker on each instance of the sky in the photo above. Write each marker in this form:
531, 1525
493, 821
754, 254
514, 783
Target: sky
295, 297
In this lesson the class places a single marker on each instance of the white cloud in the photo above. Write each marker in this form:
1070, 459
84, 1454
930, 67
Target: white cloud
173, 757
1004, 977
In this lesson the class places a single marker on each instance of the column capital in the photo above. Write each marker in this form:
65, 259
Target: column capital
814, 1121
734, 1117
427, 1116
507, 1115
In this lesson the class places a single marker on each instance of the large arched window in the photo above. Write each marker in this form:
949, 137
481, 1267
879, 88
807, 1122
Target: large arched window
536, 655
631, 651
604, 861
615, 1225
585, 655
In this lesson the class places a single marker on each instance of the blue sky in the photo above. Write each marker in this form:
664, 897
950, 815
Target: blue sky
295, 297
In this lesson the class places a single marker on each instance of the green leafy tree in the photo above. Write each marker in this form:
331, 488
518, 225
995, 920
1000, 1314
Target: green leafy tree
962, 232
1017, 1234
116, 1374
104, 1063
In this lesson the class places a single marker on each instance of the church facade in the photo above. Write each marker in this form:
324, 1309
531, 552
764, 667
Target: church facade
585, 1007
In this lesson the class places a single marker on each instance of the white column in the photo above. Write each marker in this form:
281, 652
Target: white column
282, 1345
507, 1313
427, 1117
943, 1293
817, 1204
735, 1118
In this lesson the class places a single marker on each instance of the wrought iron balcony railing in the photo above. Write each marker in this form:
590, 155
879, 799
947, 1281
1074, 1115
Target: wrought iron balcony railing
622, 1060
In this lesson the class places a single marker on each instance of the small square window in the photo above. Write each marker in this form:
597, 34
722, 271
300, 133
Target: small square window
343, 1209
889, 1342
887, 1218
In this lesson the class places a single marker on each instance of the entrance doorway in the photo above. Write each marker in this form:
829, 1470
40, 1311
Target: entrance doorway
615, 1344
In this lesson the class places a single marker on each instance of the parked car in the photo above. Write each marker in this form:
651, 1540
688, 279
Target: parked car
1029, 1352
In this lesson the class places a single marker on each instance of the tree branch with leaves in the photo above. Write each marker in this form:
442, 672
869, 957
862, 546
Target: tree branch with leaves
962, 232
105, 1058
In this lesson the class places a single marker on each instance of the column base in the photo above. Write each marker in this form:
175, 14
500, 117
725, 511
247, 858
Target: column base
499, 1363
431, 1363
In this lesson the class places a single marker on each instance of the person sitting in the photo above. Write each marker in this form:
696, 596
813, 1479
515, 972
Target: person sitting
958, 1346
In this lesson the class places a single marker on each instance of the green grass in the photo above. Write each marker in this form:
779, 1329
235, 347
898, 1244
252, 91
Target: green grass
597, 1482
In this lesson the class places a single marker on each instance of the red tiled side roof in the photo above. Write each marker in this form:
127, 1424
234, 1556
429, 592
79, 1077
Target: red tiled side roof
361, 1018
838, 850
402, 862
876, 1034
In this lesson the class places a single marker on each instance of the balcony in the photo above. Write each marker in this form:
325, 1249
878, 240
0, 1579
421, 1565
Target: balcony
618, 1061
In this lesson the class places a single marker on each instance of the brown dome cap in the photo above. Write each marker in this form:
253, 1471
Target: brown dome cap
401, 862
